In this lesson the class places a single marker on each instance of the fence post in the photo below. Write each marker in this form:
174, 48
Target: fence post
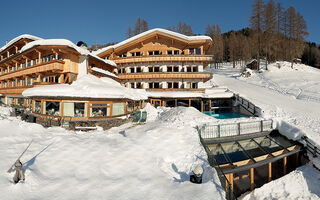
261, 124
219, 130
239, 133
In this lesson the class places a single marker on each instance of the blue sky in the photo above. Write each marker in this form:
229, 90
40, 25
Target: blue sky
107, 21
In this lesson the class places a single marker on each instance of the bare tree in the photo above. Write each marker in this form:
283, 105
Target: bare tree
256, 23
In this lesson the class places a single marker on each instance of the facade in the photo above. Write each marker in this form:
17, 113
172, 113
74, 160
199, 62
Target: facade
50, 66
161, 60
169, 65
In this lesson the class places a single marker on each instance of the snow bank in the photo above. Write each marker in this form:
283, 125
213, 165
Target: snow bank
16, 39
291, 132
152, 161
88, 86
182, 116
175, 34
302, 183
316, 162
152, 112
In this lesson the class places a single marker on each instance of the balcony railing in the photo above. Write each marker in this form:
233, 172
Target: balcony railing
164, 58
166, 75
54, 65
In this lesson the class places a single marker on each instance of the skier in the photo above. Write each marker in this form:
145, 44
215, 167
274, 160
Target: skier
197, 175
19, 175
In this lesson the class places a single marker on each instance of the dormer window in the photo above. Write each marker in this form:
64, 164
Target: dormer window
123, 55
169, 52
176, 52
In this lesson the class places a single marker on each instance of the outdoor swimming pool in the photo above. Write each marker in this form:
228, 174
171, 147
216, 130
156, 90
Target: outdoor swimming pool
226, 115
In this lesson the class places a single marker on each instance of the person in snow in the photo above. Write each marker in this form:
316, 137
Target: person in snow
19, 175
197, 175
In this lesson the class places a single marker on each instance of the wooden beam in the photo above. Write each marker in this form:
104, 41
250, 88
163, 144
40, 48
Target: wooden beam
269, 172
285, 165
251, 179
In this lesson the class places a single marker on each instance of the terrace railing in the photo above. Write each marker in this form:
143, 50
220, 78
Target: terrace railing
255, 110
207, 131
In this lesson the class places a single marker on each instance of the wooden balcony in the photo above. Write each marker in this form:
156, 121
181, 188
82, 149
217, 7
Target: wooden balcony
54, 66
166, 75
164, 58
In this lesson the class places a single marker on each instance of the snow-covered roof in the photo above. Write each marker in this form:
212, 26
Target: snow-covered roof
251, 61
64, 42
58, 42
175, 34
16, 39
88, 86
209, 93
102, 71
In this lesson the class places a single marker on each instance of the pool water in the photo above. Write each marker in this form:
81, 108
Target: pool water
226, 115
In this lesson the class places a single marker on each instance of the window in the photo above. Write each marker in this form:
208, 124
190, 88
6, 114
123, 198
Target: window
170, 85
150, 53
138, 69
132, 85
117, 108
60, 57
123, 55
170, 69
75, 109
191, 51
194, 85
156, 69
139, 85
156, 85
156, 53
188, 85
176, 52
52, 108
194, 69
175, 85
129, 106
150, 69
37, 107
136, 54
169, 52
100, 110
131, 69
176, 69
198, 51
189, 69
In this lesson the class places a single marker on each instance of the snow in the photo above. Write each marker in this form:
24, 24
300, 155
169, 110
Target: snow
88, 86
96, 69
152, 112
63, 42
291, 97
288, 95
59, 42
150, 161
302, 183
175, 34
16, 39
